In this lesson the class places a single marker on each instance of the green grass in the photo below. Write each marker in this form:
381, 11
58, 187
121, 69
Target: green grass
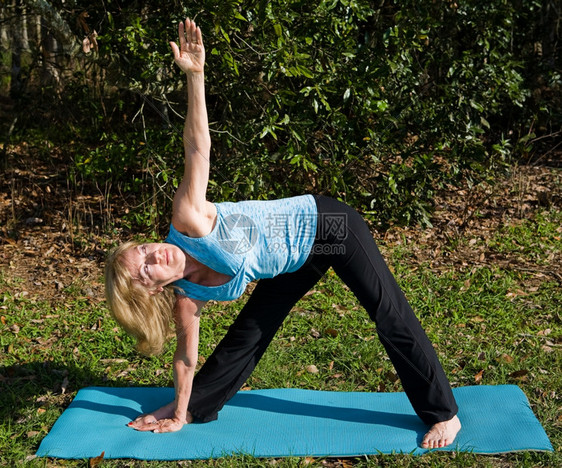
500, 323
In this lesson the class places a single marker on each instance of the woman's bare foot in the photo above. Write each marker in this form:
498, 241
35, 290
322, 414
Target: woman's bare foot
442, 433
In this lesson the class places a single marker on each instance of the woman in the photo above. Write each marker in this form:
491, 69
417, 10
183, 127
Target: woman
214, 250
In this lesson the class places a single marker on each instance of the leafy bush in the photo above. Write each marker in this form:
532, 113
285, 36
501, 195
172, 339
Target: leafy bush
378, 104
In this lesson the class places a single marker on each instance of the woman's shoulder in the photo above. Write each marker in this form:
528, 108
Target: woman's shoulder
195, 222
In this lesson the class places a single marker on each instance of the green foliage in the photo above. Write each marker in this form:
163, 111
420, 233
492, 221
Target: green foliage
379, 104
147, 165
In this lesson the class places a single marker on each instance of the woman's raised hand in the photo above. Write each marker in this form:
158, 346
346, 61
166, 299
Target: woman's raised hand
190, 55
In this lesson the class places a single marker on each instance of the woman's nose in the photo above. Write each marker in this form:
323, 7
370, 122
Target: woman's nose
155, 257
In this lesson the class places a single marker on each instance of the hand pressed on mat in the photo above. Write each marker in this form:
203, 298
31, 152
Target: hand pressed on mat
162, 420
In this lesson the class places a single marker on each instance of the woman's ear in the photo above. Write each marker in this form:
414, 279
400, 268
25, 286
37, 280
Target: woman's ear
159, 289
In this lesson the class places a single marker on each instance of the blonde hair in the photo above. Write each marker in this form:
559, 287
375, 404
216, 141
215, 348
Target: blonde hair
146, 317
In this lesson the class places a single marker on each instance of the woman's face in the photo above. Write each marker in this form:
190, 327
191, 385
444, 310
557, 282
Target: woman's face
155, 265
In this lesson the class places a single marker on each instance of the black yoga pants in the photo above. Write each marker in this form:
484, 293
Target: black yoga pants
343, 241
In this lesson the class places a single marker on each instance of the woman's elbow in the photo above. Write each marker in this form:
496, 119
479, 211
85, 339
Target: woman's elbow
184, 362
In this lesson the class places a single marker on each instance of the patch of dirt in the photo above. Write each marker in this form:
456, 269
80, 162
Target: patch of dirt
478, 214
49, 239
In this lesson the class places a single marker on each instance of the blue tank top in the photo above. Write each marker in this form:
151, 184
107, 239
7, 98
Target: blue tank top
250, 240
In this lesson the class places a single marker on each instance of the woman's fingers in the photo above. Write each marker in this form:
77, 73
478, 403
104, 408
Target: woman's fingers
168, 425
185, 32
175, 50
189, 33
189, 53
181, 34
150, 423
191, 29
144, 423
146, 427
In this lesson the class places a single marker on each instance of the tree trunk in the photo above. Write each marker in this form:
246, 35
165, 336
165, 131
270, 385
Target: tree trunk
50, 74
16, 82
56, 24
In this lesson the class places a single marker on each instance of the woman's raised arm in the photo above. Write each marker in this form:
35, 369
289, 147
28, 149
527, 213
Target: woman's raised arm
191, 211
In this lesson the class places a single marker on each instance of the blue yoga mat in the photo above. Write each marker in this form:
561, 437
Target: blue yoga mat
289, 422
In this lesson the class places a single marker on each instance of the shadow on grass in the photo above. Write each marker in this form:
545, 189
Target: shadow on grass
35, 384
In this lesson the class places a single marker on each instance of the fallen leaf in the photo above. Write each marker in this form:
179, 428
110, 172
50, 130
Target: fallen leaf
478, 376
113, 361
506, 358
514, 294
96, 325
331, 331
31, 434
392, 376
340, 309
312, 369
96, 460
520, 374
